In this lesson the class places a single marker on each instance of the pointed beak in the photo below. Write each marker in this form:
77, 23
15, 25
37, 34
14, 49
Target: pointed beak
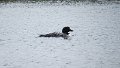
71, 30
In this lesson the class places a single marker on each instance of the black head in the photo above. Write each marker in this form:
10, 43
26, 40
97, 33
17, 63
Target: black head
66, 30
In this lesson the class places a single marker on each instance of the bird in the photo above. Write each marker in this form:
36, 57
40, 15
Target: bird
65, 33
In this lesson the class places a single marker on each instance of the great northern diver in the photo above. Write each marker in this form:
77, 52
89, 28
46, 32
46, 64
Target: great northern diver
64, 33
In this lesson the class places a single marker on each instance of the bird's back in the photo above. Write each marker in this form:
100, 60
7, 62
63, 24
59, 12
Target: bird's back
54, 34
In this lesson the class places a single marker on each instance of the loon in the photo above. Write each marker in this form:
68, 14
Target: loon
65, 33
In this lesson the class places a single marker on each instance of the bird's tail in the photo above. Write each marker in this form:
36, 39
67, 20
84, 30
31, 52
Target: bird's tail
42, 36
